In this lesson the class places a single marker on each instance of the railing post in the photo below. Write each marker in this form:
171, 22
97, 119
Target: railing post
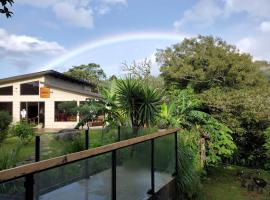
114, 175
37, 148
87, 138
176, 153
118, 133
29, 186
86, 171
152, 190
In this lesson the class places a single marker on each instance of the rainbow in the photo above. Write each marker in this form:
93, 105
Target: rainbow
113, 39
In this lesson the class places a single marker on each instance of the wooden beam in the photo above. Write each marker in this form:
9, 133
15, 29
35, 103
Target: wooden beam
20, 171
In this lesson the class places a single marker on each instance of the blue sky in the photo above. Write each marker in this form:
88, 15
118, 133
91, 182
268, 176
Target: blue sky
57, 34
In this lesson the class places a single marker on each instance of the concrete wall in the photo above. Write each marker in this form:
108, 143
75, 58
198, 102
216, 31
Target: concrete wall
58, 93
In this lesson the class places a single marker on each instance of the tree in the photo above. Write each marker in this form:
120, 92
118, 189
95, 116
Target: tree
205, 62
91, 73
138, 70
264, 66
4, 9
139, 102
233, 89
191, 117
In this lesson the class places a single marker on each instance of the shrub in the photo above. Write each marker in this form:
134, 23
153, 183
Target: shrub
5, 120
23, 130
73, 145
8, 159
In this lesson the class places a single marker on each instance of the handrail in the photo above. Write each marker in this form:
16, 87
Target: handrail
17, 172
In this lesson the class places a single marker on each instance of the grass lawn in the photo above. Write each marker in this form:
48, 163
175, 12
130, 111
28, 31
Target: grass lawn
223, 184
26, 152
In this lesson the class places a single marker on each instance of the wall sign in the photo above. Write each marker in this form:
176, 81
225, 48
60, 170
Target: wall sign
45, 92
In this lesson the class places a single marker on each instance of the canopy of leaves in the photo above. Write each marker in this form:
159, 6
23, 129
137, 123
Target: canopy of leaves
206, 62
91, 73
233, 89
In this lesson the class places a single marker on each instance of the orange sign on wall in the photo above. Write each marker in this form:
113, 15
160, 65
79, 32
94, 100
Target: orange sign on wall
45, 92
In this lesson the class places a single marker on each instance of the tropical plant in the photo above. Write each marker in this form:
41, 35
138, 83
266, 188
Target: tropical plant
23, 130
219, 141
89, 111
166, 116
188, 176
5, 120
114, 115
139, 102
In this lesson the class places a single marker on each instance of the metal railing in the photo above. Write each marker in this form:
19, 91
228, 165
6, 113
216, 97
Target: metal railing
29, 171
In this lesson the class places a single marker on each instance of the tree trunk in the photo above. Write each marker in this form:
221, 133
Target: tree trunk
202, 151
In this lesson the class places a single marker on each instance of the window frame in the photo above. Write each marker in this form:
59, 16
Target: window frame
74, 117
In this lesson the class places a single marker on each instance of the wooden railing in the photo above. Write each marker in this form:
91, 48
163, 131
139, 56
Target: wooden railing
29, 170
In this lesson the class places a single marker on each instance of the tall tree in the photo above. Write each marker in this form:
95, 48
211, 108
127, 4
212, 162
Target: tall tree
206, 62
91, 73
231, 86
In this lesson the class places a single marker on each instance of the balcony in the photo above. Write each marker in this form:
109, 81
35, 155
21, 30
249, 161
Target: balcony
139, 168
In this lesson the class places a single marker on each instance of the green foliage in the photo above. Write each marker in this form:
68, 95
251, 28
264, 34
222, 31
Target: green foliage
88, 111
74, 145
23, 130
190, 117
206, 62
114, 115
139, 102
221, 145
9, 158
188, 177
233, 89
91, 73
267, 147
166, 118
5, 120
68, 107
246, 113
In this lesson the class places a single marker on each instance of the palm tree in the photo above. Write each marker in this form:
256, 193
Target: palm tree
141, 103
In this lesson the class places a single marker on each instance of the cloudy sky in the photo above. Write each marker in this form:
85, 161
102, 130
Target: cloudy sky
57, 34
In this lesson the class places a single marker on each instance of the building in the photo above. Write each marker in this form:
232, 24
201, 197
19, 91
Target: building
38, 97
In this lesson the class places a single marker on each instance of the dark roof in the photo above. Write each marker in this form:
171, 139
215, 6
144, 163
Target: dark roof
43, 73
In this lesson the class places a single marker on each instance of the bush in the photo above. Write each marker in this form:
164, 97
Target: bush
23, 130
74, 145
8, 159
5, 120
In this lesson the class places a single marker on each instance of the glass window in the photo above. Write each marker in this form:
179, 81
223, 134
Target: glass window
65, 111
6, 90
31, 88
6, 106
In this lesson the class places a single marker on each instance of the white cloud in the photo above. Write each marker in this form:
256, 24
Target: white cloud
77, 16
255, 8
203, 13
78, 13
255, 46
265, 26
19, 50
27, 44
